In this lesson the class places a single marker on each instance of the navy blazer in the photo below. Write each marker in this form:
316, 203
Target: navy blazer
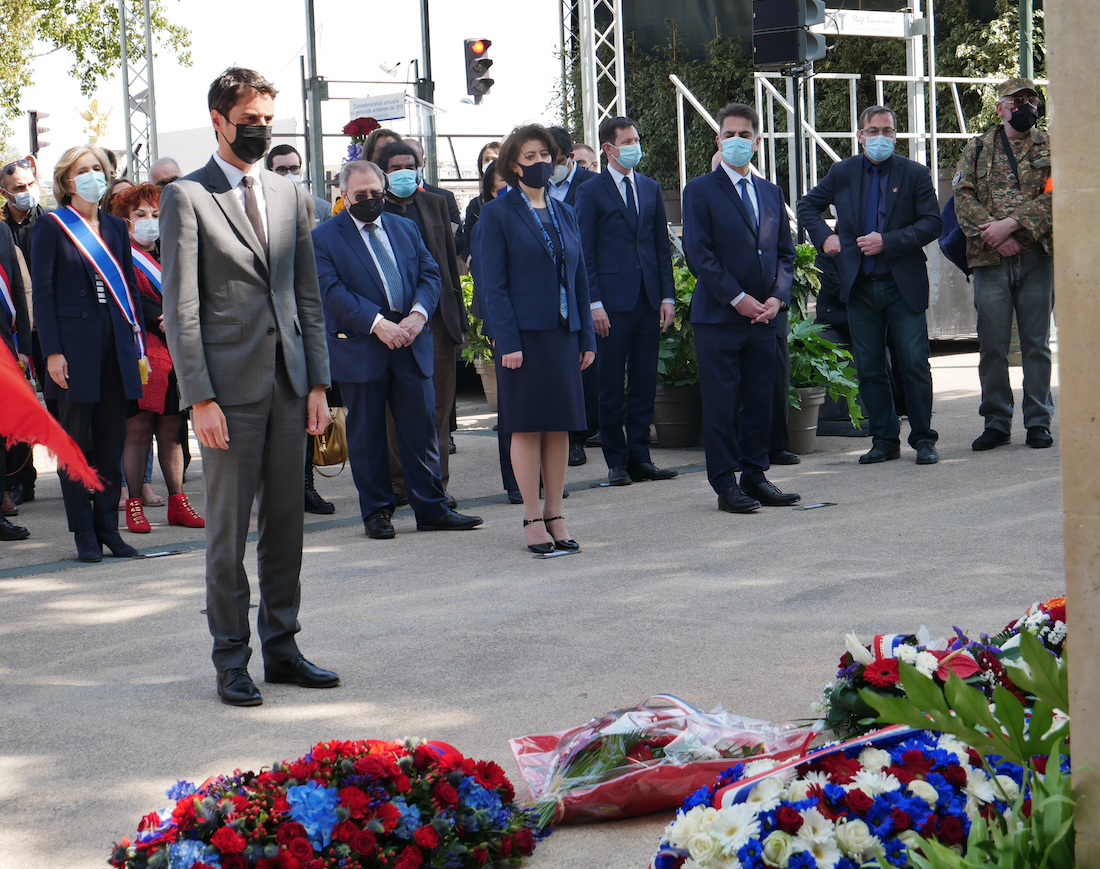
581, 176
912, 221
64, 299
20, 342
353, 294
622, 260
731, 258
520, 276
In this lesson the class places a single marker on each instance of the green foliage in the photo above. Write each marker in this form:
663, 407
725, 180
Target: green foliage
817, 362
1046, 837
87, 30
807, 281
677, 364
476, 347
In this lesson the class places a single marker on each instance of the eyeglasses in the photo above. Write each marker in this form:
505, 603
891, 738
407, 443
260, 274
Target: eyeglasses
283, 170
1018, 101
875, 131
9, 168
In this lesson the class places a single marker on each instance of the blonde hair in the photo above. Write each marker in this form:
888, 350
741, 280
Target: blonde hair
61, 170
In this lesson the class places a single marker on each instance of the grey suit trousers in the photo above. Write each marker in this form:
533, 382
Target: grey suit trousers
266, 447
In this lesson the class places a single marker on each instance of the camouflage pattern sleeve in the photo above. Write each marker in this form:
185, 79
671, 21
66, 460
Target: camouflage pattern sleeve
969, 210
1034, 214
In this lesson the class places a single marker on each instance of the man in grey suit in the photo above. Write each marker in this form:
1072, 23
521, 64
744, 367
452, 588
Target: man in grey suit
243, 318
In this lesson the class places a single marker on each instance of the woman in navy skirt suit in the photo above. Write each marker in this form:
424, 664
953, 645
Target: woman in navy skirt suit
537, 307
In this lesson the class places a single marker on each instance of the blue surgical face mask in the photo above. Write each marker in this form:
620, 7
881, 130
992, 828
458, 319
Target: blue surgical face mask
878, 148
91, 186
146, 231
737, 151
403, 183
630, 156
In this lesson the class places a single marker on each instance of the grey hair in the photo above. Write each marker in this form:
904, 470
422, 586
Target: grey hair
870, 112
166, 163
348, 169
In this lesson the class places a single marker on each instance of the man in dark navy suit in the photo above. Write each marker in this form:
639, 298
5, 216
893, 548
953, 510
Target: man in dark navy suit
738, 237
565, 182
887, 212
380, 287
625, 235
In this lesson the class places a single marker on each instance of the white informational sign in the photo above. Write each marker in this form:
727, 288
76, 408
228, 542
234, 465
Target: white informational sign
857, 22
385, 107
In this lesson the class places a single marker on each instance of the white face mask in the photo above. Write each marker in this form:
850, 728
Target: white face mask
561, 171
26, 200
146, 231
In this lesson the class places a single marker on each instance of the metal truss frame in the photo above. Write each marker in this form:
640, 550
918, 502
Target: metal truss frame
138, 93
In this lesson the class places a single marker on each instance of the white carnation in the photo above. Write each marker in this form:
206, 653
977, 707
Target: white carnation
926, 663
906, 653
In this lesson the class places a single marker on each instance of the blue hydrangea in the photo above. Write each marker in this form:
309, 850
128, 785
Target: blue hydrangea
479, 808
410, 819
185, 854
180, 790
314, 807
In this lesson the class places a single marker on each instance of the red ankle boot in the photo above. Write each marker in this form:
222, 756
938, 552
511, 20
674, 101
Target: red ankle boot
135, 517
180, 512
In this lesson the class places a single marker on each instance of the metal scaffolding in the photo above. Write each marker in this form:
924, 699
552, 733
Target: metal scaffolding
138, 94
593, 31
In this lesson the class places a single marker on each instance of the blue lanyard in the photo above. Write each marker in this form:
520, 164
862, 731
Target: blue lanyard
546, 236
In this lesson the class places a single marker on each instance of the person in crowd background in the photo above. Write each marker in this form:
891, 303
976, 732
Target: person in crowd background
158, 410
879, 244
738, 238
586, 157
92, 335
452, 204
15, 337
488, 154
164, 171
286, 161
538, 310
624, 231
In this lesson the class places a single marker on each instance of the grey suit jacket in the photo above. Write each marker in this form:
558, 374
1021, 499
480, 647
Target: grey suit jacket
226, 307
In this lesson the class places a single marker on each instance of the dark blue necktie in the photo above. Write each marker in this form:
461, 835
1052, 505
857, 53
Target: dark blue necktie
389, 268
631, 205
744, 185
871, 214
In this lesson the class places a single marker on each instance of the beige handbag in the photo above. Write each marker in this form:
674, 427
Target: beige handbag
331, 446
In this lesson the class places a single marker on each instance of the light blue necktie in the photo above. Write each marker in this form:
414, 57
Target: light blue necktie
389, 268
744, 185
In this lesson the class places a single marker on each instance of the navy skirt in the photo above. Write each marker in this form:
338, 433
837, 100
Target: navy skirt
545, 392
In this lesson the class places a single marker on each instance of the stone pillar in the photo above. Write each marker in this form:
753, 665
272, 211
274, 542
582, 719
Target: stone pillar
1071, 29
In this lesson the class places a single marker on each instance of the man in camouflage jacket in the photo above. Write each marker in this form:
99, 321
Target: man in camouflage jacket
1006, 216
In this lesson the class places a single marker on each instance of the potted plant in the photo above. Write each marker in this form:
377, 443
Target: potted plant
818, 368
678, 404
807, 280
477, 348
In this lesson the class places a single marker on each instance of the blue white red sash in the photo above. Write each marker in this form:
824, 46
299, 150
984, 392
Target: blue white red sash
6, 298
144, 263
107, 267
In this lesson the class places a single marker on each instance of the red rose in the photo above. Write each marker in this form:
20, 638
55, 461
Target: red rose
280, 804
389, 815
505, 846
289, 831
228, 840
901, 820
354, 800
344, 831
300, 849
1025, 809
368, 126
858, 802
524, 839
316, 863
322, 753
234, 861
950, 831
364, 843
302, 771
954, 774
351, 128
410, 858
424, 756
1040, 763
402, 784
975, 758
446, 795
788, 820
426, 837
882, 673
480, 856
376, 766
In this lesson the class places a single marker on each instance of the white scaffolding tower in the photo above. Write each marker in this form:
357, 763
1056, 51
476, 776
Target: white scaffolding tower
138, 94
593, 31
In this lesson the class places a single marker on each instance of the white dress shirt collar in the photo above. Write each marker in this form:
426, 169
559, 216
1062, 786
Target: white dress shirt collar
619, 177
235, 174
736, 176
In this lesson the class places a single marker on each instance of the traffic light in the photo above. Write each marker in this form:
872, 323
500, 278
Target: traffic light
478, 81
780, 33
37, 130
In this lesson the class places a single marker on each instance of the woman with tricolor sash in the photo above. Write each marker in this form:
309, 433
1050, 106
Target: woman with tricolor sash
92, 333
158, 410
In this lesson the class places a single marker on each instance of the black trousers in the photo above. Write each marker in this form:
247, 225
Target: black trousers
780, 440
99, 429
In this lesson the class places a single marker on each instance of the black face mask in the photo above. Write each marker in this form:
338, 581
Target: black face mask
368, 211
1023, 118
536, 175
251, 143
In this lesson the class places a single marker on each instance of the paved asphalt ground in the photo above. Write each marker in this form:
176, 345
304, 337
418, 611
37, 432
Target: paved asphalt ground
108, 693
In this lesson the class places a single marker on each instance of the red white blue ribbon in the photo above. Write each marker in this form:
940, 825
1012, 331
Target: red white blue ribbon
6, 298
107, 267
144, 263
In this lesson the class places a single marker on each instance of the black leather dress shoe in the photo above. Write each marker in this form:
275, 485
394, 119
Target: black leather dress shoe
784, 457
21, 493
733, 500
649, 471
236, 688
12, 532
1038, 437
88, 547
451, 448
448, 500
298, 671
316, 504
450, 521
768, 495
576, 455
119, 548
379, 526
880, 453
927, 455
515, 497
618, 476
989, 439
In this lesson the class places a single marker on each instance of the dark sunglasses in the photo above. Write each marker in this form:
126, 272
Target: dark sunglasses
9, 168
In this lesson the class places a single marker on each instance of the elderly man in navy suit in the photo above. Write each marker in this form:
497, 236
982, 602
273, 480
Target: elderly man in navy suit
738, 236
380, 286
625, 235
887, 212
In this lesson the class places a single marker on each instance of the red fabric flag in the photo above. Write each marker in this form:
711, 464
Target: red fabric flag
23, 418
